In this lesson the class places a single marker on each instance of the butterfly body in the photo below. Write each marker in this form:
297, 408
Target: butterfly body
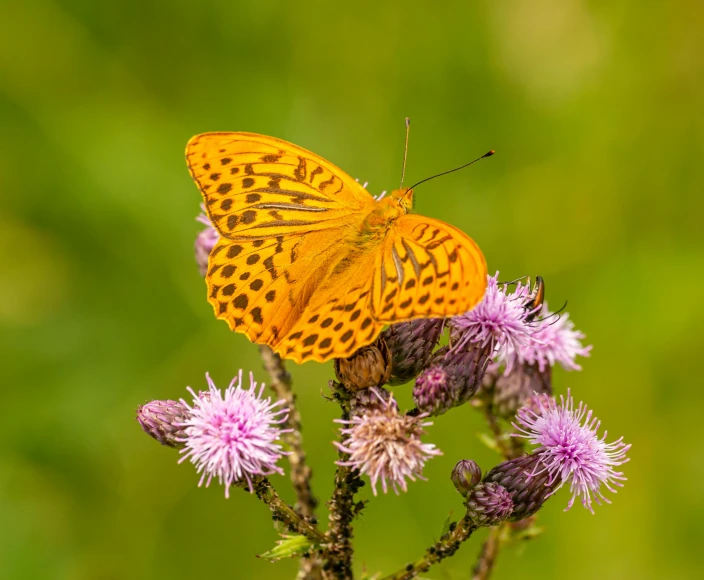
308, 262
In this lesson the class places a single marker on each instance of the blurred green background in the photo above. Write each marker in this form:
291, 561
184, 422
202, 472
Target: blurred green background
596, 111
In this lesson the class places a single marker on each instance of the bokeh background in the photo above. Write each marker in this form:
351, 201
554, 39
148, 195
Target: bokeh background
596, 112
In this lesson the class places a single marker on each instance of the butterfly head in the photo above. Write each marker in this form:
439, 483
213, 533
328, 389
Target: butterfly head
404, 198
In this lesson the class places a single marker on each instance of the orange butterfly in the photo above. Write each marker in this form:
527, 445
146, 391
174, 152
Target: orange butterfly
308, 262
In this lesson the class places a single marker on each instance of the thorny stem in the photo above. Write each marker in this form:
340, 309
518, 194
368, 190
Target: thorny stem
445, 547
291, 519
306, 503
342, 508
487, 557
300, 471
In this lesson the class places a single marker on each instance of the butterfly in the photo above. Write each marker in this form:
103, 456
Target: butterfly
308, 262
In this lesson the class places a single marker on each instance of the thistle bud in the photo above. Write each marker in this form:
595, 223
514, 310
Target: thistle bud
411, 345
451, 379
528, 482
205, 242
465, 475
433, 392
488, 504
163, 420
370, 366
512, 390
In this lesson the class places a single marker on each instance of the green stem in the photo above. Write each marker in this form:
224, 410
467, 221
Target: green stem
281, 384
300, 472
445, 547
338, 554
284, 513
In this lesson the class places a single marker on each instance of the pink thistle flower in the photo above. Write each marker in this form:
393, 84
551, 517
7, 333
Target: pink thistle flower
386, 445
554, 340
205, 241
232, 436
498, 321
570, 450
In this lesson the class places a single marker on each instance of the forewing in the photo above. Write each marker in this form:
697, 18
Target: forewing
427, 269
256, 186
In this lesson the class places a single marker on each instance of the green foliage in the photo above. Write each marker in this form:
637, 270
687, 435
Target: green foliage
291, 546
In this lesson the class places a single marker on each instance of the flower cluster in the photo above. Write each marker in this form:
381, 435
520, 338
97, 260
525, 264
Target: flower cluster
504, 342
500, 356
520, 333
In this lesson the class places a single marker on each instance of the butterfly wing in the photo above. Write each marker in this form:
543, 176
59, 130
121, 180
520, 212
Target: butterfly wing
423, 268
262, 287
338, 319
281, 212
256, 186
427, 269
305, 296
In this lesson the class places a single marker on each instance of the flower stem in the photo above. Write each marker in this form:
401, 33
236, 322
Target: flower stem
445, 547
342, 511
284, 513
309, 568
487, 557
300, 471
509, 447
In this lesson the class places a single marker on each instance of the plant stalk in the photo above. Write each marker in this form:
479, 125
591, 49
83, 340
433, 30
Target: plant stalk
445, 547
487, 557
309, 568
342, 509
284, 513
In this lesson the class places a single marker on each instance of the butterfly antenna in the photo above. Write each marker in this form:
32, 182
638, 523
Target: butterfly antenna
405, 151
489, 154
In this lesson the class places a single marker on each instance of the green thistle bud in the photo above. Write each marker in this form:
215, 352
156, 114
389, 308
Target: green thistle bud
465, 475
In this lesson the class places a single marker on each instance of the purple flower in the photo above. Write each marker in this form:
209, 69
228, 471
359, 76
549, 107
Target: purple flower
232, 437
205, 241
570, 449
498, 320
554, 340
386, 445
